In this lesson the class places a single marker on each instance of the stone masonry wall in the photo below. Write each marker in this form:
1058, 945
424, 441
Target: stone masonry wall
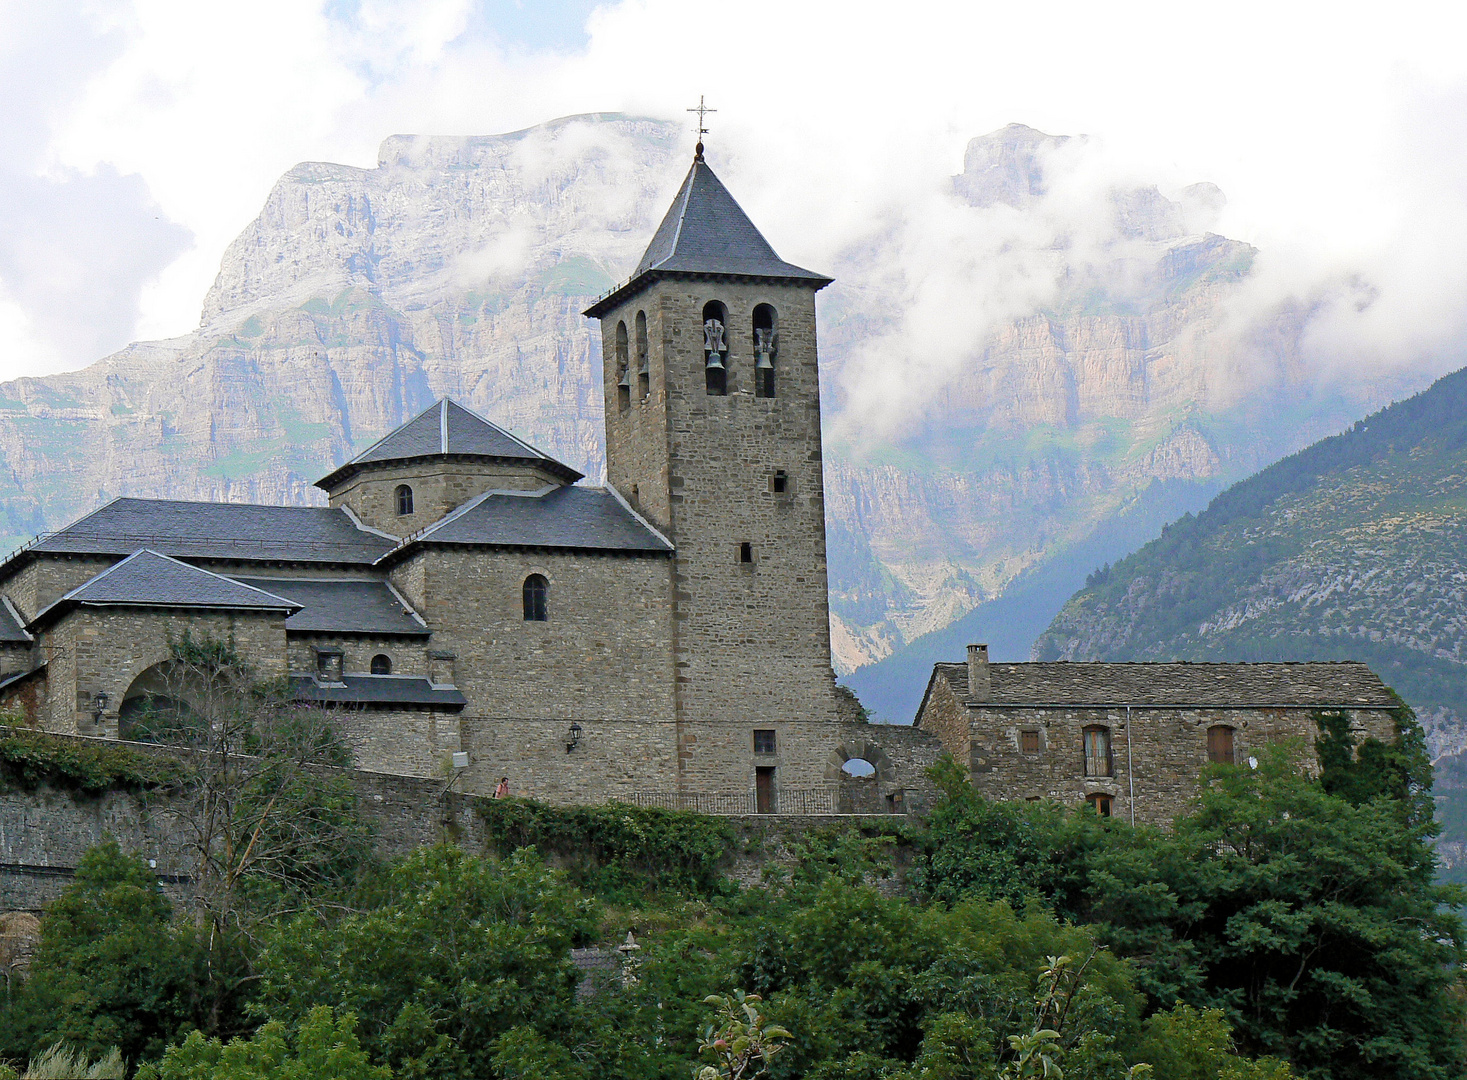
438, 487
412, 742
1158, 754
104, 649
46, 579
409, 656
602, 654
752, 639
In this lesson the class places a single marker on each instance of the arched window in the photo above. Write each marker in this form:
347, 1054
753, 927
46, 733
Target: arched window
623, 373
537, 591
404, 500
766, 345
381, 664
644, 370
715, 348
1220, 745
1097, 751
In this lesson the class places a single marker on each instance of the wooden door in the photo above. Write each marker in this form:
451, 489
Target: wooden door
764, 789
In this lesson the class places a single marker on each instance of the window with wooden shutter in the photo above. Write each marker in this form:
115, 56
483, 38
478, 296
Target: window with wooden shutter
1220, 745
1097, 751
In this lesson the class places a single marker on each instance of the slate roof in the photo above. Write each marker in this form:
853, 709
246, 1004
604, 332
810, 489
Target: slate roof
208, 530
448, 430
12, 630
146, 578
572, 518
385, 690
707, 232
342, 607
1343, 683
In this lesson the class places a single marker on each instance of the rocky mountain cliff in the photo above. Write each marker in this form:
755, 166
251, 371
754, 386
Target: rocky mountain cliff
1355, 547
460, 266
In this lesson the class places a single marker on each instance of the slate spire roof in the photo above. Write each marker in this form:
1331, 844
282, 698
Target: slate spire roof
146, 578
706, 231
448, 430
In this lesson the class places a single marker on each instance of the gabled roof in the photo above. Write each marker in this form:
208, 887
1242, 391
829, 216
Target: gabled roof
147, 579
228, 531
343, 607
1334, 684
706, 232
567, 518
447, 430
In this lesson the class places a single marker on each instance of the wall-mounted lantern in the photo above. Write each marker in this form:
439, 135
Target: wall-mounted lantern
99, 706
573, 737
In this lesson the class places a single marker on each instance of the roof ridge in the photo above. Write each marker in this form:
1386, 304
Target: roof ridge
390, 434
443, 423
653, 529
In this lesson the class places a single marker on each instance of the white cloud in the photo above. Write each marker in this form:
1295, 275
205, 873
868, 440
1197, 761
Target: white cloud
1332, 130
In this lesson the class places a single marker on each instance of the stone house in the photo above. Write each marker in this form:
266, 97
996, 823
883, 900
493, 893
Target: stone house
1131, 740
466, 603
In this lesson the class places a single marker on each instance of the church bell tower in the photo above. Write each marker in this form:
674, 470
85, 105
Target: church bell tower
713, 434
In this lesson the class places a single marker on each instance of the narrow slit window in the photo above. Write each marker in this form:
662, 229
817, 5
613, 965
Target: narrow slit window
1097, 751
536, 596
746, 552
781, 482
1220, 745
715, 348
623, 372
766, 347
644, 370
404, 500
381, 664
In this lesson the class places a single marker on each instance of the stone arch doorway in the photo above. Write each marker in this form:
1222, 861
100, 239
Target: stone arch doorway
866, 776
158, 707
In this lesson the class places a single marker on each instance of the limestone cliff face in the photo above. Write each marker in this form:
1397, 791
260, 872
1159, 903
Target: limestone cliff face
460, 266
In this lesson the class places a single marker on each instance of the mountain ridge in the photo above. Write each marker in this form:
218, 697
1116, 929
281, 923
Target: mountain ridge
1354, 546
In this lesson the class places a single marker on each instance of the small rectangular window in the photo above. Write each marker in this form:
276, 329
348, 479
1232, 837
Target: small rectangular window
746, 552
1101, 804
781, 482
1029, 742
764, 742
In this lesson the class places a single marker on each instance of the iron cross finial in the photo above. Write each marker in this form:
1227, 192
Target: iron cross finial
702, 110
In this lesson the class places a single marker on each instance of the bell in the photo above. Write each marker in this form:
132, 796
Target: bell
764, 363
715, 362
626, 380
643, 368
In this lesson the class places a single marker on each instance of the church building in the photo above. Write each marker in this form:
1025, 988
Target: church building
465, 600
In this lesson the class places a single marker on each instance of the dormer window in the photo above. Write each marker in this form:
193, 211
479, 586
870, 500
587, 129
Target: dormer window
404, 500
766, 344
623, 372
715, 348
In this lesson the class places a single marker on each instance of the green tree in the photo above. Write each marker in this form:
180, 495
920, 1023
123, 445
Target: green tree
459, 951
322, 1048
111, 968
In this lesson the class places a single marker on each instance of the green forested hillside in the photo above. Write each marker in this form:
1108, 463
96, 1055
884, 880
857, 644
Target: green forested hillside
1354, 547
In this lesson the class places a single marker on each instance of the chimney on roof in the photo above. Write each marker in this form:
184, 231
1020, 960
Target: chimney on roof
980, 686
